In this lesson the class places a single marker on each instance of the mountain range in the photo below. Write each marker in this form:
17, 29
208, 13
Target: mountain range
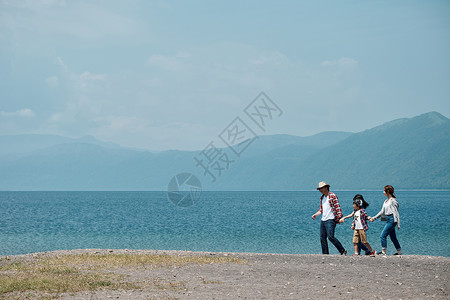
408, 153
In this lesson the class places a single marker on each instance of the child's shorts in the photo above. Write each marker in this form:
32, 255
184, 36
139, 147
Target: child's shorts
359, 234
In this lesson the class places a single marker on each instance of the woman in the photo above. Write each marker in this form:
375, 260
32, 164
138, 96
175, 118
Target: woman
389, 212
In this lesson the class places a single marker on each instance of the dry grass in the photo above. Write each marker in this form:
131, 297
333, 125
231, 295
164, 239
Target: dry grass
212, 282
108, 261
47, 277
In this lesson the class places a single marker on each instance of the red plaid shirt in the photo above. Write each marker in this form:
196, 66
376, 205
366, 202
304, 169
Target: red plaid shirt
363, 217
335, 207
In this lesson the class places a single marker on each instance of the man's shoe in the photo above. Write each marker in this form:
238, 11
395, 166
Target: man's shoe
381, 253
344, 253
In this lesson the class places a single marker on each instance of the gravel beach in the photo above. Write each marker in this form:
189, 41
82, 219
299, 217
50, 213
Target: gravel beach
272, 276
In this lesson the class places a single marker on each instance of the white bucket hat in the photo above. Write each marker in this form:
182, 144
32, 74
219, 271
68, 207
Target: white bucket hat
323, 184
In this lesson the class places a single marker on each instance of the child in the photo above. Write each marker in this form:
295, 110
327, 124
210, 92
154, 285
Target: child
359, 224
361, 246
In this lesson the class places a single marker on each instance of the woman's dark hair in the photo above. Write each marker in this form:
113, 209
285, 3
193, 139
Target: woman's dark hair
389, 189
359, 200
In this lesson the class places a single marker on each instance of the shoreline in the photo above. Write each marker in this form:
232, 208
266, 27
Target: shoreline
233, 275
191, 252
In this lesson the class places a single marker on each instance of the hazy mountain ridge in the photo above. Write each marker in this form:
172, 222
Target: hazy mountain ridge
407, 153
28, 143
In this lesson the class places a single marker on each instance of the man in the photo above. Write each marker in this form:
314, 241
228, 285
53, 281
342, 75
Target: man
331, 214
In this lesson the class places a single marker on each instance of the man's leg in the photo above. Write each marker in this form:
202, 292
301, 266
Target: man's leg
323, 238
330, 225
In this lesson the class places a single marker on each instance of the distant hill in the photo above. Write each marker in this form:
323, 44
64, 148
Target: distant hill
407, 153
27, 143
267, 143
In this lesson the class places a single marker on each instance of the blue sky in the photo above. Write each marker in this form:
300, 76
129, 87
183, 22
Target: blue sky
173, 74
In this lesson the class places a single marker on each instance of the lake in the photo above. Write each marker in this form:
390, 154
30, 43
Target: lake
264, 222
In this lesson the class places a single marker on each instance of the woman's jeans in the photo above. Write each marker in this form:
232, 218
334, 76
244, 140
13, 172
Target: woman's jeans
327, 231
389, 229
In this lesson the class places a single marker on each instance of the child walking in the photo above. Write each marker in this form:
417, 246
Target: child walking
359, 224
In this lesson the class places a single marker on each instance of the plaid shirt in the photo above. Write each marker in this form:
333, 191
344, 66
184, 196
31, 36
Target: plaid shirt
363, 217
335, 207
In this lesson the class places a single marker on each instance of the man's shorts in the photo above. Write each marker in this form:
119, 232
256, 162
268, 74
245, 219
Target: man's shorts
359, 234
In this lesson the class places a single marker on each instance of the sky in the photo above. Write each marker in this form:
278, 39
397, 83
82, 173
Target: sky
174, 74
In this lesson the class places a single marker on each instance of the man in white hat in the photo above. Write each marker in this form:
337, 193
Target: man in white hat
331, 214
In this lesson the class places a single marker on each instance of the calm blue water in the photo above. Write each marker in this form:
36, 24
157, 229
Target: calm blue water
276, 222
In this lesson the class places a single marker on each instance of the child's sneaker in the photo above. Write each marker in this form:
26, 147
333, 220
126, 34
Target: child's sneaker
356, 254
372, 254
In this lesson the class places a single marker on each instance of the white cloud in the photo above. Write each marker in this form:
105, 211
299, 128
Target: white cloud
155, 82
141, 132
87, 82
85, 104
33, 4
272, 58
128, 124
345, 62
52, 81
53, 2
88, 76
168, 62
79, 19
80, 82
56, 118
61, 63
25, 112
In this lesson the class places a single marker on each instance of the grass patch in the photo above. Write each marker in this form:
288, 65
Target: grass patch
53, 282
47, 277
162, 284
108, 261
212, 282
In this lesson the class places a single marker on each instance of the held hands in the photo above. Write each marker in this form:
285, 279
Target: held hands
371, 219
353, 227
341, 220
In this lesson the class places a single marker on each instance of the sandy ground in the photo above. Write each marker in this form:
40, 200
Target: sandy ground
283, 276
